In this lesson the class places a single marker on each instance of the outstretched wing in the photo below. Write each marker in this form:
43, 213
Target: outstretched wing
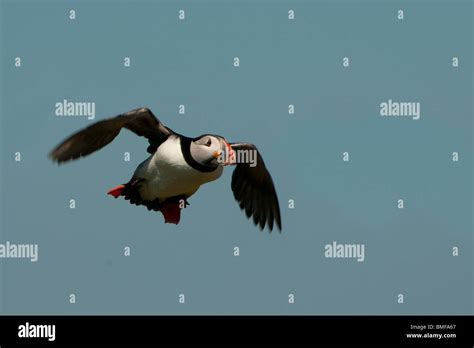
90, 139
254, 190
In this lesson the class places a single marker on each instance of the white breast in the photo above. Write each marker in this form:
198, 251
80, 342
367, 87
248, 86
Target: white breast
167, 174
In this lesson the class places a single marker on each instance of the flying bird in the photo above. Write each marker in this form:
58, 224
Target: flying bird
178, 165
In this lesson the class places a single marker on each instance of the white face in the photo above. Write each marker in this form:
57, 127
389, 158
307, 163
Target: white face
207, 149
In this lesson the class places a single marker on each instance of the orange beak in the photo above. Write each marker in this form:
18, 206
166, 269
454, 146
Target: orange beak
230, 159
230, 154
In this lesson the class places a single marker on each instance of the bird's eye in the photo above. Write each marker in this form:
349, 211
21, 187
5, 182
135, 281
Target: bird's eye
208, 144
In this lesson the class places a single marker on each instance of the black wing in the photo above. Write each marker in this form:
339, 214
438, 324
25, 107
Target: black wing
254, 190
90, 139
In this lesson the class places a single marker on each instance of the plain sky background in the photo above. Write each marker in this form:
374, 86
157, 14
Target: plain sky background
282, 62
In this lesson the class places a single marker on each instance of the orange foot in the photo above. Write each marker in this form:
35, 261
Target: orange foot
116, 191
171, 211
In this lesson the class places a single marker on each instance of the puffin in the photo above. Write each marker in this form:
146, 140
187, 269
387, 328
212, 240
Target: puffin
177, 166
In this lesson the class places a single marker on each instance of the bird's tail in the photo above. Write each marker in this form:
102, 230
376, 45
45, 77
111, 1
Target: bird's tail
171, 208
